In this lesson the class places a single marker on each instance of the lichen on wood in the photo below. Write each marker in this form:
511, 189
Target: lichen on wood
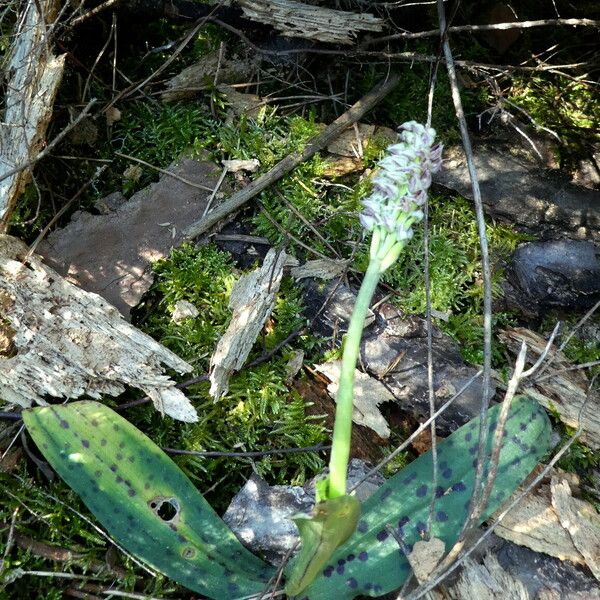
296, 19
71, 343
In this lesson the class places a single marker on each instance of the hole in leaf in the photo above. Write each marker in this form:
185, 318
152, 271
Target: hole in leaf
166, 509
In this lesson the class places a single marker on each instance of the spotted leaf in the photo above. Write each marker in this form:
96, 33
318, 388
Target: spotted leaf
144, 500
371, 562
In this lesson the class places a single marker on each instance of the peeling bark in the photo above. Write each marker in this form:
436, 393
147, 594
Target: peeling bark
295, 19
33, 74
70, 342
565, 392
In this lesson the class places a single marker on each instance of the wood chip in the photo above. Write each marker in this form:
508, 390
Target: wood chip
368, 395
252, 300
425, 557
534, 523
72, 343
32, 76
581, 520
488, 581
322, 268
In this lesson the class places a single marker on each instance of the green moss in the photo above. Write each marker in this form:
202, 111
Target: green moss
259, 412
48, 514
565, 105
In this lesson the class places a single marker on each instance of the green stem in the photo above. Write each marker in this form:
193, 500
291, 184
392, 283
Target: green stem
342, 429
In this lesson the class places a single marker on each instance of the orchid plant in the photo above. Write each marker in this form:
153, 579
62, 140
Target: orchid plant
389, 213
152, 509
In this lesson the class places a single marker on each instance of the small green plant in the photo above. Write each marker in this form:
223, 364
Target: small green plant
260, 411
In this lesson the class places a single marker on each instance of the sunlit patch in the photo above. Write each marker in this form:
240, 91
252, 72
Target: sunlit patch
76, 457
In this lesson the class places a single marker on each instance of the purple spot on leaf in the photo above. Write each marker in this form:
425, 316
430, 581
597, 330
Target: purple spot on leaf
352, 583
409, 478
350, 557
421, 491
362, 527
441, 516
382, 535
363, 556
439, 491
340, 570
459, 487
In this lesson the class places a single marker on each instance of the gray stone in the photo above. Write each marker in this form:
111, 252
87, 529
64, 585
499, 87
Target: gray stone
402, 364
260, 514
545, 576
560, 274
112, 254
394, 349
517, 190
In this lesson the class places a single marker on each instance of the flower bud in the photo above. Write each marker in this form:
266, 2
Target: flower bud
400, 187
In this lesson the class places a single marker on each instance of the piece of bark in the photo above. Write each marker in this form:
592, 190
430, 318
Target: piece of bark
252, 300
249, 104
296, 19
368, 395
516, 190
70, 342
355, 140
291, 161
33, 75
534, 523
201, 76
582, 522
565, 392
487, 581
112, 254
321, 268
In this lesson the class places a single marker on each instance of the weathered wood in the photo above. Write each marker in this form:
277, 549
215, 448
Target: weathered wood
558, 389
34, 74
296, 19
252, 301
69, 342
290, 162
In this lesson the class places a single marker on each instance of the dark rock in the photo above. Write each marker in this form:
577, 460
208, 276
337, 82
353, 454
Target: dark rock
402, 364
545, 576
333, 302
517, 190
554, 274
394, 349
260, 514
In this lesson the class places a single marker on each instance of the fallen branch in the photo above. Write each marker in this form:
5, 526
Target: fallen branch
290, 162
409, 35
296, 19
